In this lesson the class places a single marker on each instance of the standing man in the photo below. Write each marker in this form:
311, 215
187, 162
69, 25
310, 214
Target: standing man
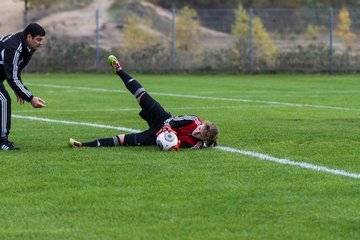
16, 51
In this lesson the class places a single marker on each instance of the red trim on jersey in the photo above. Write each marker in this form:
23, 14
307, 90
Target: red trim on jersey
184, 133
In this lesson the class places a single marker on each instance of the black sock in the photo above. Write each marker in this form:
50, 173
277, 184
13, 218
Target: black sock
103, 142
131, 84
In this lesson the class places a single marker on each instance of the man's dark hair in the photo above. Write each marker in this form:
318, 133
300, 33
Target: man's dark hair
34, 30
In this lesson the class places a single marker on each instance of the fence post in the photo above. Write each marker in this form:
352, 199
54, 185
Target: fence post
97, 58
251, 56
24, 19
173, 48
331, 22
25, 14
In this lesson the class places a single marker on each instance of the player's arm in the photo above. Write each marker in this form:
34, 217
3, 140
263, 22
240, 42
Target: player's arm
11, 62
180, 121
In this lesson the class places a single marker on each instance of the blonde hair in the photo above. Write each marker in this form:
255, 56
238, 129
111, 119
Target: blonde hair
209, 134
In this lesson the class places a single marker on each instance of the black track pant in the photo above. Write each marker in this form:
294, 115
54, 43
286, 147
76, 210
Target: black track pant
5, 112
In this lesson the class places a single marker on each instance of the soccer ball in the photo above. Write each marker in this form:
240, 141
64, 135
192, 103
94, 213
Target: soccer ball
166, 140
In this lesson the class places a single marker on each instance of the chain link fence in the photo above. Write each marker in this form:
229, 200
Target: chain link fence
201, 40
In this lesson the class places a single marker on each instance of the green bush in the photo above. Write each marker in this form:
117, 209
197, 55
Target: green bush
314, 57
154, 58
58, 55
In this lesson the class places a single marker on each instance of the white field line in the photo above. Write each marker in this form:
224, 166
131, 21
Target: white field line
290, 162
196, 97
260, 156
76, 123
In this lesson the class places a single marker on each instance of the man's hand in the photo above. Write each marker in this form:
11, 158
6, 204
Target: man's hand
37, 102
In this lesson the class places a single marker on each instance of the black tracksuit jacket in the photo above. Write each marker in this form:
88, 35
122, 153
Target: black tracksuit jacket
14, 56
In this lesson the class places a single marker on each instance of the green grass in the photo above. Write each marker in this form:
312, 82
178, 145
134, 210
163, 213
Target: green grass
50, 191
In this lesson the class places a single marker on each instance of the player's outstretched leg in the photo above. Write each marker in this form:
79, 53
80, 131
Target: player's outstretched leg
131, 84
102, 142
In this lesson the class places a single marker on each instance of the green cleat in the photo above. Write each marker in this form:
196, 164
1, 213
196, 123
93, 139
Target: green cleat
74, 143
114, 63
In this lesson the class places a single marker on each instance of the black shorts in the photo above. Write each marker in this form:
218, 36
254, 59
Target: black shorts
155, 115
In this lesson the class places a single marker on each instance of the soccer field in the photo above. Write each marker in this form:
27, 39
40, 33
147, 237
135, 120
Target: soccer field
287, 166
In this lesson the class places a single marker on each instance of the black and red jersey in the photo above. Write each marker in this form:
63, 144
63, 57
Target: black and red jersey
184, 126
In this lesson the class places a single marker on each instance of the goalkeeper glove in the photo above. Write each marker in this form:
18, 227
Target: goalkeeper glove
166, 128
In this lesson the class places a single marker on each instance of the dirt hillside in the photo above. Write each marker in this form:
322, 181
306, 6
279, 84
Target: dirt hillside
11, 16
73, 24
81, 24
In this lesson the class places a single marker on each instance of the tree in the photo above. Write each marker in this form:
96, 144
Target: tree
188, 44
343, 29
187, 30
263, 47
138, 35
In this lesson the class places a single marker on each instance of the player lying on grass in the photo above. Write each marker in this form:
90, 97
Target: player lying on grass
190, 130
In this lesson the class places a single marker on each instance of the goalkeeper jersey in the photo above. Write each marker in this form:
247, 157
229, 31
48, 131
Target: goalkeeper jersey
184, 126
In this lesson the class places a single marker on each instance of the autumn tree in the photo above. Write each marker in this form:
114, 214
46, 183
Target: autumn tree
138, 34
263, 47
187, 30
188, 43
343, 29
142, 46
